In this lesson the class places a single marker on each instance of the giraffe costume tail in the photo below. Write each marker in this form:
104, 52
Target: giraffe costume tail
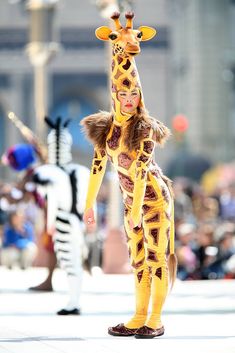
172, 259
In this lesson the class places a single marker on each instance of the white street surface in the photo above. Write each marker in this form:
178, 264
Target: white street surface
199, 316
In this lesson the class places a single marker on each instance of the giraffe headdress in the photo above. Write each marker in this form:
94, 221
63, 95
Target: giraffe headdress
124, 76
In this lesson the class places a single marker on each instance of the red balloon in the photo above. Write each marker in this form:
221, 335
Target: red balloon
180, 123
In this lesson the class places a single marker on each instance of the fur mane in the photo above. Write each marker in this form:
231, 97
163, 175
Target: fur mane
97, 127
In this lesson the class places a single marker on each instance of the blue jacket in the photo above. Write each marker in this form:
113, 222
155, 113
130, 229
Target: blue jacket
11, 237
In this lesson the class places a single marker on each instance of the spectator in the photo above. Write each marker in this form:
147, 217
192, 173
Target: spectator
18, 247
205, 250
187, 260
227, 203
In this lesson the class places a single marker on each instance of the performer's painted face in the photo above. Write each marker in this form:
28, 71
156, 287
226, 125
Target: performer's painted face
129, 100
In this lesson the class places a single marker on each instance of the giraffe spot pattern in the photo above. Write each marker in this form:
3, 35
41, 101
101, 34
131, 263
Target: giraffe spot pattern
143, 158
136, 229
155, 218
129, 200
136, 265
158, 273
150, 193
133, 73
143, 174
118, 74
155, 172
139, 246
126, 83
155, 235
103, 153
127, 65
126, 182
113, 141
152, 256
148, 147
120, 60
140, 275
146, 208
124, 160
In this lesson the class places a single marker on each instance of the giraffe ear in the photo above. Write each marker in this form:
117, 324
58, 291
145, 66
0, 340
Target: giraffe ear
103, 33
147, 32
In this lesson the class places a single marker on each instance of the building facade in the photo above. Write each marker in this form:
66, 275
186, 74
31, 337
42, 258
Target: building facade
187, 68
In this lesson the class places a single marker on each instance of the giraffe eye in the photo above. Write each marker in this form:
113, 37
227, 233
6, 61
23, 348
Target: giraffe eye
113, 36
139, 35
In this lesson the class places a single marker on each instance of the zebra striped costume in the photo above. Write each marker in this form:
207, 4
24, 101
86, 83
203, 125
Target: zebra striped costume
65, 185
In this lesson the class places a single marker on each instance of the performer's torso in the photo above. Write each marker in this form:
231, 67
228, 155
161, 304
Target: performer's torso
124, 162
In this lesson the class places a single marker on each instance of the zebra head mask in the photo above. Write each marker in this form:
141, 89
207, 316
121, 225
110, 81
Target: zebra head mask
59, 141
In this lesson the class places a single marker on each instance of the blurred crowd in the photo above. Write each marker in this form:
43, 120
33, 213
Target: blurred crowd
18, 217
204, 229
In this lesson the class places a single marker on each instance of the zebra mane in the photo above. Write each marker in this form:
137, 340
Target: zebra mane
59, 141
58, 122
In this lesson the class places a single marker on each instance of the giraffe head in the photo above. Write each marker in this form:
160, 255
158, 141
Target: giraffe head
125, 40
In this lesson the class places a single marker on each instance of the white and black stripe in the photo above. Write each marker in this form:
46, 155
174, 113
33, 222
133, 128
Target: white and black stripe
59, 142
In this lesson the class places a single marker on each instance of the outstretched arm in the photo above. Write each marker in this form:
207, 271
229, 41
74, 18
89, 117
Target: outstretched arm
96, 176
144, 157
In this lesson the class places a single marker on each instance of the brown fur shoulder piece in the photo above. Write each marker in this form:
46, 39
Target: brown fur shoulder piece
96, 127
139, 129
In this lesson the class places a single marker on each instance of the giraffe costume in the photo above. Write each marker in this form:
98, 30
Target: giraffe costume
127, 137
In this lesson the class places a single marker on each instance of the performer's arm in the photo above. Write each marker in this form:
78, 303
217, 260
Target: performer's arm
96, 176
144, 157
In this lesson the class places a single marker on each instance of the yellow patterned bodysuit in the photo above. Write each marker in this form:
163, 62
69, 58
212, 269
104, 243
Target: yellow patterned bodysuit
147, 199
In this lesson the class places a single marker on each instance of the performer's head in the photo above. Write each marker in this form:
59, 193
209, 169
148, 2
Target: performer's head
126, 92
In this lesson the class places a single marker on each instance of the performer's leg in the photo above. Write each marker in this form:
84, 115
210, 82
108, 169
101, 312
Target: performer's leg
51, 262
69, 246
135, 240
157, 235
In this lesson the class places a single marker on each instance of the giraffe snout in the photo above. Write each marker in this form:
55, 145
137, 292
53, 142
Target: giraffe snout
132, 48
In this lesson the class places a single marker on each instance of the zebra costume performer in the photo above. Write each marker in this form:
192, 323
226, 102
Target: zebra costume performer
64, 185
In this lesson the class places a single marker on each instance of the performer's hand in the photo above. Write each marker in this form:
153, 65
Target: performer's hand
132, 225
89, 220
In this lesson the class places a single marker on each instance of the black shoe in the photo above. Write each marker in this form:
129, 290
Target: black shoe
121, 330
69, 312
147, 332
